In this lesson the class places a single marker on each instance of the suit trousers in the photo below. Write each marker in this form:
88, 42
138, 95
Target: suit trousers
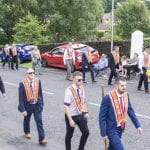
69, 64
90, 67
115, 140
14, 60
144, 78
37, 112
81, 122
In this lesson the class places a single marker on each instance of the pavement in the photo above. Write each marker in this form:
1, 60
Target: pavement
54, 84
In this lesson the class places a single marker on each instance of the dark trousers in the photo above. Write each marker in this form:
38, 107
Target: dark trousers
37, 112
82, 124
113, 73
115, 140
89, 67
6, 60
144, 78
14, 60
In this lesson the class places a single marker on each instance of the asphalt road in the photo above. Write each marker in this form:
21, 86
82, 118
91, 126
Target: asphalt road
54, 84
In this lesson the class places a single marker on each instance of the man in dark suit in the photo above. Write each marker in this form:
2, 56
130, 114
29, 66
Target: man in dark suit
87, 64
113, 115
113, 63
2, 88
31, 101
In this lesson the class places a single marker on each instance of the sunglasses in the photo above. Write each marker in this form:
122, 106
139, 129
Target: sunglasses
79, 80
31, 73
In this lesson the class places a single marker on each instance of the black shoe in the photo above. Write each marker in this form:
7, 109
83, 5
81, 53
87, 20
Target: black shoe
147, 91
40, 74
84, 81
139, 89
110, 84
94, 81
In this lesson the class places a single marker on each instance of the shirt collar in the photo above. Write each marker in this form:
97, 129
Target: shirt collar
74, 86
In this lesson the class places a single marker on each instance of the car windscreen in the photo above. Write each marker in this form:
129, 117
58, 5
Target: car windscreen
28, 47
82, 49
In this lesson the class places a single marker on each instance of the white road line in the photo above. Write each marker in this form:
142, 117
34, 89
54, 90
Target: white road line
140, 115
13, 84
48, 93
144, 116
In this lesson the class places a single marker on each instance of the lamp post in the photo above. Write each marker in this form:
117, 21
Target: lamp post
112, 26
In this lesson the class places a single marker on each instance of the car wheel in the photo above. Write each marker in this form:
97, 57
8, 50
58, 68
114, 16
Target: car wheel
44, 63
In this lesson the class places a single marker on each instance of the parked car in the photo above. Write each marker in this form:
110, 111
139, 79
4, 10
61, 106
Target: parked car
24, 51
55, 56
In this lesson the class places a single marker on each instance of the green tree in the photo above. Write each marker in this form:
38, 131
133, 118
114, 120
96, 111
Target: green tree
74, 19
107, 4
66, 18
10, 12
30, 30
130, 16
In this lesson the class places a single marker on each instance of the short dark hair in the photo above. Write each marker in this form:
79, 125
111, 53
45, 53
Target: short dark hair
115, 47
119, 78
77, 73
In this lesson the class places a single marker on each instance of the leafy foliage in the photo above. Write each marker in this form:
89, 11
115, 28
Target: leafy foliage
29, 30
131, 16
66, 18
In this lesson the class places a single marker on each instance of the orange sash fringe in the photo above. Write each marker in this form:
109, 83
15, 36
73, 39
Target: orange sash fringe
30, 95
120, 117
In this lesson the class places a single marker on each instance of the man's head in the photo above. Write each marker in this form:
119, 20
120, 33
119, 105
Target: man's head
120, 84
116, 48
35, 47
77, 78
103, 56
147, 49
30, 74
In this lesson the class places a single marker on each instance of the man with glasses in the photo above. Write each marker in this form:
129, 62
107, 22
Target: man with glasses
76, 111
31, 101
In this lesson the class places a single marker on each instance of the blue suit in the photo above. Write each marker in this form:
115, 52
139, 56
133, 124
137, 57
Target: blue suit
108, 124
36, 109
85, 64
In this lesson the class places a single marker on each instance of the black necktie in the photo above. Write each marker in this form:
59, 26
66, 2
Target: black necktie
31, 87
78, 94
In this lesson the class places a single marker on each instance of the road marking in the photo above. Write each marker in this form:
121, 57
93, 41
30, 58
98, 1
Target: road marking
144, 116
140, 115
48, 93
13, 84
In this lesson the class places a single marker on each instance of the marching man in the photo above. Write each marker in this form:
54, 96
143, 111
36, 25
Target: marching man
113, 115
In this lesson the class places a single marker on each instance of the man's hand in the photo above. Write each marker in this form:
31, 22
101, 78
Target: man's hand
72, 123
105, 138
139, 130
24, 113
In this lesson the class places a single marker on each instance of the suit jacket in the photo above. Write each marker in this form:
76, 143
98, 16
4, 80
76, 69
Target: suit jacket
111, 61
107, 120
2, 88
84, 60
24, 105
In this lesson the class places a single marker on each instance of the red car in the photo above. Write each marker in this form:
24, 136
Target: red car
55, 56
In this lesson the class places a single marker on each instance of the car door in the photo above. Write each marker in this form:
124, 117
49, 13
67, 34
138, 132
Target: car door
60, 57
52, 57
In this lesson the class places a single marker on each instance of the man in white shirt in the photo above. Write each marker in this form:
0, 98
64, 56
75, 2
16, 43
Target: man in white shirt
76, 111
144, 64
69, 60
